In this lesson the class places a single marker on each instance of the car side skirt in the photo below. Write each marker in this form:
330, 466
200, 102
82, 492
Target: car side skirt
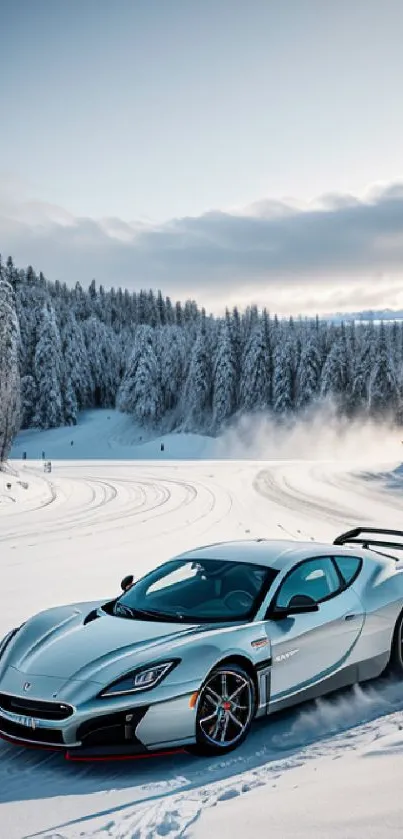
352, 674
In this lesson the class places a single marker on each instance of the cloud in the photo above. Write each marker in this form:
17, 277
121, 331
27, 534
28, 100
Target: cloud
339, 252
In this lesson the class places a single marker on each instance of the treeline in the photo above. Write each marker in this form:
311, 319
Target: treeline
171, 365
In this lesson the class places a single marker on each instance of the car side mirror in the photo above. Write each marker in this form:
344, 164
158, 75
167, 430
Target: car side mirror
298, 605
127, 582
287, 611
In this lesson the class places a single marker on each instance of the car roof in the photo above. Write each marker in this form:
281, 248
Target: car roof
274, 553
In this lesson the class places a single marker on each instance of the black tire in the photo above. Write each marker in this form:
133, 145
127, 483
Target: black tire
396, 655
225, 710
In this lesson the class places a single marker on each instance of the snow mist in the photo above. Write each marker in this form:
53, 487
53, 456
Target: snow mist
320, 434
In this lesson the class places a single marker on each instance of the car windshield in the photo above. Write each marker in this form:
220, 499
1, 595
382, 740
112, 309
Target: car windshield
193, 592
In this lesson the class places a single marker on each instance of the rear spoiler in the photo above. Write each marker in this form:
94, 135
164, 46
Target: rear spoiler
358, 537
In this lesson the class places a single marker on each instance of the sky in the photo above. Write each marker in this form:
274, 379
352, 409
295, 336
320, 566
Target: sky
234, 151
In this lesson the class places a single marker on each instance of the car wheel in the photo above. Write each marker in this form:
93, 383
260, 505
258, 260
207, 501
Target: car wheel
396, 657
225, 710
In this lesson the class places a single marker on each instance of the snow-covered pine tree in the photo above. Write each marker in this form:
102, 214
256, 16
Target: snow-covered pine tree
384, 395
48, 372
254, 391
11, 274
81, 303
235, 325
171, 354
76, 369
282, 390
28, 400
169, 312
9, 369
124, 396
70, 405
103, 353
141, 394
334, 379
361, 366
198, 388
224, 377
178, 313
161, 309
29, 299
308, 377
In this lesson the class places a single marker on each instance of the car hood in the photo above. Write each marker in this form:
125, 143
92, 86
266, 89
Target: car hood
64, 644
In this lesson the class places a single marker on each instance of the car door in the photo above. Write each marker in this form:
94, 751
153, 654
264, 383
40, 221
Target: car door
308, 647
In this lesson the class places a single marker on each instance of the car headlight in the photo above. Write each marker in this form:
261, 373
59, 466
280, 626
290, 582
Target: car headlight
144, 678
6, 640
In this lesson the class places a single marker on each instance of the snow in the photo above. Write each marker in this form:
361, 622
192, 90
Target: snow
108, 434
114, 504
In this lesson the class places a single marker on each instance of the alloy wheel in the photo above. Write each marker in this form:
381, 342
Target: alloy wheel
225, 708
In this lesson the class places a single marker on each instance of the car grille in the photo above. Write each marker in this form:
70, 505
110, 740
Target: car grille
35, 708
112, 729
34, 735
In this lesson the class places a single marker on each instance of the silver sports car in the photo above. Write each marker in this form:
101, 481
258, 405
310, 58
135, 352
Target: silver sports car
191, 653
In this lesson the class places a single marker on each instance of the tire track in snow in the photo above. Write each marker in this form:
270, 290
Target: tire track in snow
170, 494
100, 494
276, 484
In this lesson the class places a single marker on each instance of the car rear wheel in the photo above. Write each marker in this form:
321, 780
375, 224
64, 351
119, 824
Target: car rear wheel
396, 657
225, 710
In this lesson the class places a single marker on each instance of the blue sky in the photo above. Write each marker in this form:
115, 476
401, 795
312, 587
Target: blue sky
159, 112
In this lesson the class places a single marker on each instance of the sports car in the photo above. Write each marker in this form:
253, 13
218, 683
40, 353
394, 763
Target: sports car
190, 654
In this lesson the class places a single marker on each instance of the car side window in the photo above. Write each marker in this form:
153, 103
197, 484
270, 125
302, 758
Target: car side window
315, 578
349, 567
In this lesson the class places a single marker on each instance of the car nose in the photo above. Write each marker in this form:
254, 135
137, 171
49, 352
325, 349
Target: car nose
38, 686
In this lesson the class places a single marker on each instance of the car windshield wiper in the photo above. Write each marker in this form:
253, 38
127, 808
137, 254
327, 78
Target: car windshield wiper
128, 611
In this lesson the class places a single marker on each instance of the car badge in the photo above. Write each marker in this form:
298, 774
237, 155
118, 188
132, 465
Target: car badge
27, 686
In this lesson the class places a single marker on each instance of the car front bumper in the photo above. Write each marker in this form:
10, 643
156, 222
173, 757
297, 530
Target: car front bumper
106, 728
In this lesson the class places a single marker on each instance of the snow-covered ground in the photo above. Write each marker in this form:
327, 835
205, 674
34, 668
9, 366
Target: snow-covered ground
108, 435
329, 769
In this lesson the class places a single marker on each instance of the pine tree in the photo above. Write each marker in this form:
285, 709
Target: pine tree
29, 299
103, 355
11, 274
334, 378
198, 387
384, 395
283, 379
28, 401
140, 394
224, 379
70, 405
48, 372
171, 354
254, 393
308, 378
361, 373
76, 368
236, 338
9, 368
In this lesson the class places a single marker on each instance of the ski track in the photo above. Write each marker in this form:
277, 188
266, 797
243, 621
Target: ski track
129, 517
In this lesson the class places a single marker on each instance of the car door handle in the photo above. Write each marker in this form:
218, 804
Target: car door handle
350, 617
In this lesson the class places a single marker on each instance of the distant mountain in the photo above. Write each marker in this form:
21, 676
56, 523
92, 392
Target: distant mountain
367, 314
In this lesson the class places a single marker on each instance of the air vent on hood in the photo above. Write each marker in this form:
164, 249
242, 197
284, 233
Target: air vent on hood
92, 616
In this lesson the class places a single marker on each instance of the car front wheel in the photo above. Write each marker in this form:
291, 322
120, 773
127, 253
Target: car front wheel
225, 710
